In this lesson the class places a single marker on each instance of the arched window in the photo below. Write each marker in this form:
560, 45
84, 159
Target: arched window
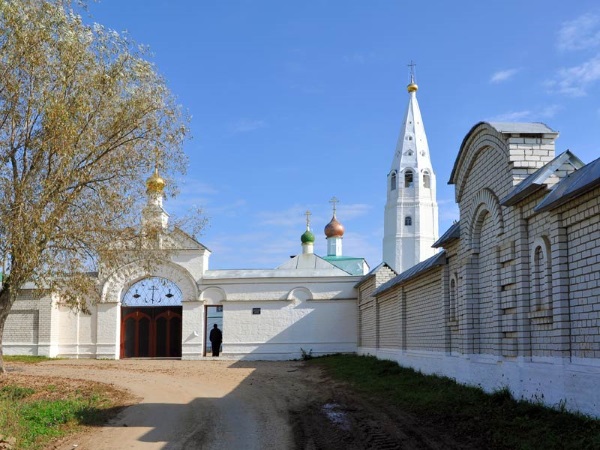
393, 181
408, 178
408, 221
539, 278
426, 180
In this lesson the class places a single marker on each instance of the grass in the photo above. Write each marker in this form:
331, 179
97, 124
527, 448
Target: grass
26, 359
33, 412
497, 419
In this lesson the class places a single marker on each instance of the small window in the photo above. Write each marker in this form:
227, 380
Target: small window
541, 277
453, 298
408, 221
408, 178
393, 182
426, 180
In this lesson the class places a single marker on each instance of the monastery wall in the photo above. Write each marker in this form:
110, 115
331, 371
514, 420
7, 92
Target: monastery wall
516, 302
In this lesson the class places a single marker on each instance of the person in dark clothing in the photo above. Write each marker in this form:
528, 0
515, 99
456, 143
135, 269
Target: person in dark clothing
216, 338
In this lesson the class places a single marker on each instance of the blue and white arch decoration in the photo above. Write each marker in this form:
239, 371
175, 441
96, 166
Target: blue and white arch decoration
153, 291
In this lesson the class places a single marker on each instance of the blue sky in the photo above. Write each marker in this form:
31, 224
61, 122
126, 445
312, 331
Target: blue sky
293, 102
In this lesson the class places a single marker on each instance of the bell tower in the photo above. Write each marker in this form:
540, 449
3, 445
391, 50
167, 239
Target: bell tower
411, 212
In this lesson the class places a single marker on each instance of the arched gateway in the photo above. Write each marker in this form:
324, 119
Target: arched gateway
151, 314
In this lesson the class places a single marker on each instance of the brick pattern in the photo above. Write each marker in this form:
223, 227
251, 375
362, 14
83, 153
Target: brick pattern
388, 320
367, 325
583, 235
24, 324
425, 319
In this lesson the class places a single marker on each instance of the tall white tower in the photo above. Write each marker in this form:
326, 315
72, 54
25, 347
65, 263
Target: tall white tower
411, 213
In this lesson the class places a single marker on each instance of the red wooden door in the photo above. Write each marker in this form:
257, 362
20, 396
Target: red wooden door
151, 332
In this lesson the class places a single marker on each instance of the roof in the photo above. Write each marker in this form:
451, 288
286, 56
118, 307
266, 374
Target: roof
450, 235
310, 261
373, 272
538, 179
354, 266
573, 185
438, 259
504, 128
522, 128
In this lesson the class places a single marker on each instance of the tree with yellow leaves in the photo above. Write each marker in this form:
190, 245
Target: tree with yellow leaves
83, 119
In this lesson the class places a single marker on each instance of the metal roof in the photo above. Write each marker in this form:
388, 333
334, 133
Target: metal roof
354, 266
574, 185
438, 259
537, 180
522, 128
450, 235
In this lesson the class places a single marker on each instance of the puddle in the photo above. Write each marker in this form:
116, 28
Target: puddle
337, 415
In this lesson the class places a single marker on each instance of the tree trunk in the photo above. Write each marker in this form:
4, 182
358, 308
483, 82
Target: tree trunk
6, 302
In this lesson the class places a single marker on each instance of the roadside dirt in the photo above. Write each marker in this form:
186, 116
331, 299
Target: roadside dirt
236, 405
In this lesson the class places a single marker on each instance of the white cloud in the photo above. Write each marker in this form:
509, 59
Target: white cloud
247, 125
512, 116
345, 212
580, 34
503, 75
545, 112
549, 111
575, 81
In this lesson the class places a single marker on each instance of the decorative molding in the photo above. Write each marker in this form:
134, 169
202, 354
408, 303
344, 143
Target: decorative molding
485, 201
124, 277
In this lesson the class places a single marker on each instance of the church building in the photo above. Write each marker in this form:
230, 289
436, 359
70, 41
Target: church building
507, 297
167, 309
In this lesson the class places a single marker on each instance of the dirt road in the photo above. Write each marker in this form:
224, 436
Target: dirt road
219, 404
192, 404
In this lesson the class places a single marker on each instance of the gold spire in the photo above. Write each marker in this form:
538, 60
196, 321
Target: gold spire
412, 86
155, 183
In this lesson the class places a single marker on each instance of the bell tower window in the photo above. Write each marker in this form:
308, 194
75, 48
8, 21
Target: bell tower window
408, 221
426, 180
393, 181
408, 178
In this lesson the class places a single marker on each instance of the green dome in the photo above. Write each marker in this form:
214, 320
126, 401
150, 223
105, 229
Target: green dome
307, 237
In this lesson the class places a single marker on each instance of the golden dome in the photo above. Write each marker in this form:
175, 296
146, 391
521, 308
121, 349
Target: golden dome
334, 228
155, 183
412, 87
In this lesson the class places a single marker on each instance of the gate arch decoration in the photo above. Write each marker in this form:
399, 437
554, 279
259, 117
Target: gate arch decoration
121, 280
151, 319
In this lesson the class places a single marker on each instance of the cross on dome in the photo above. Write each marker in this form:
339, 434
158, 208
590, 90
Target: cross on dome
308, 214
412, 86
334, 201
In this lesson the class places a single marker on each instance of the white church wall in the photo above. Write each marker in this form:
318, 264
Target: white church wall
192, 335
108, 330
194, 261
283, 328
77, 333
